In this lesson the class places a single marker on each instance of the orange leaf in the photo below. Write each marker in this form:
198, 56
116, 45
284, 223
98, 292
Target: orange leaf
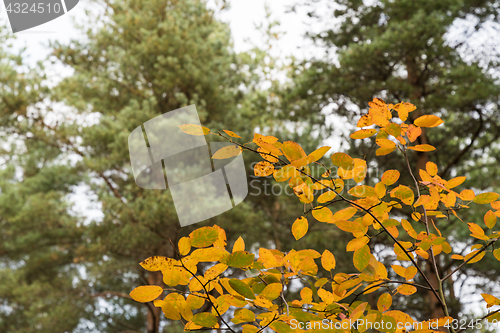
413, 132
232, 134
403, 109
467, 195
431, 168
428, 121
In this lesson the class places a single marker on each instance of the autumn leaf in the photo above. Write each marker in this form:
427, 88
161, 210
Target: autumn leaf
299, 227
193, 129
272, 291
239, 245
403, 109
243, 316
490, 219
361, 257
205, 319
486, 198
263, 169
490, 300
403, 193
384, 302
204, 237
156, 263
322, 214
363, 134
232, 134
145, 294
406, 289
328, 260
227, 152
168, 309
422, 148
184, 245
292, 151
365, 120
342, 160
390, 177
241, 288
317, 154
428, 121
240, 259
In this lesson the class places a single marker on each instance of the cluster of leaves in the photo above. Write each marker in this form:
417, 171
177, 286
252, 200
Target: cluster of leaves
259, 299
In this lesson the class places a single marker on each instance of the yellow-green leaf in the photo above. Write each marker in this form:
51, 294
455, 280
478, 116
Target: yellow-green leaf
300, 227
240, 259
193, 129
204, 237
145, 294
292, 151
243, 316
361, 257
227, 152
242, 288
390, 177
384, 302
486, 198
403, 193
490, 219
205, 319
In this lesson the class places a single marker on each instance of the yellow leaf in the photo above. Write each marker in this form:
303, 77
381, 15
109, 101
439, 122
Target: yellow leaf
409, 229
457, 257
267, 155
239, 245
204, 237
156, 263
342, 160
184, 245
326, 197
317, 154
322, 214
403, 193
406, 289
299, 227
227, 152
410, 273
292, 151
403, 109
384, 302
363, 134
328, 260
249, 329
365, 120
385, 143
145, 294
272, 291
232, 134
168, 309
422, 148
362, 191
496, 254
467, 195
399, 270
455, 182
384, 151
486, 198
400, 316
431, 168
193, 129
357, 243
476, 257
428, 121
379, 117
263, 169
393, 129
390, 177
